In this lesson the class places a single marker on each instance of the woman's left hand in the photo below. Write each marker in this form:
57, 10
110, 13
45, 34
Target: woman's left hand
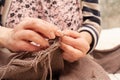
75, 45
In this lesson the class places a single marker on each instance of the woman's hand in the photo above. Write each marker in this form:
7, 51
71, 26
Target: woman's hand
75, 45
27, 31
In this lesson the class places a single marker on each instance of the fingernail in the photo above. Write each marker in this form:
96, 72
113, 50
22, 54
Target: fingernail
52, 35
35, 44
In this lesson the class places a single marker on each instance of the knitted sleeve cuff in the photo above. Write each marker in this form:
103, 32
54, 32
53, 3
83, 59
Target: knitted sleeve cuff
93, 32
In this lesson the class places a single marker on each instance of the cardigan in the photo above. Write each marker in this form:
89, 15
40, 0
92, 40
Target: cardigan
90, 17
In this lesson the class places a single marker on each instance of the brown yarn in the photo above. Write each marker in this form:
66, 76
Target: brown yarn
44, 55
45, 64
7, 66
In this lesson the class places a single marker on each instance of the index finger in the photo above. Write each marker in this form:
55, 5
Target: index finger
71, 33
40, 26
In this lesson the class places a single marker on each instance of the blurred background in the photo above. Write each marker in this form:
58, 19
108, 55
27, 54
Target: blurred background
110, 13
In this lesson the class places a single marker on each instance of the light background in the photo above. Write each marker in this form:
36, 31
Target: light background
110, 13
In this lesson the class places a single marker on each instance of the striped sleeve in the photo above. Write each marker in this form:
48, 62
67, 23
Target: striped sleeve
2, 2
91, 20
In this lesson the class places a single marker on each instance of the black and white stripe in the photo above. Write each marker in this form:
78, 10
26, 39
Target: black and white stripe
2, 2
93, 11
93, 32
91, 1
91, 21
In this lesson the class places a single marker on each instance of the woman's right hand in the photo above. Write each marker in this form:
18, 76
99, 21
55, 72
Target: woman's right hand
29, 30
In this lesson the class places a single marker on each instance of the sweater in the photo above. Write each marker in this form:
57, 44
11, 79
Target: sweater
87, 13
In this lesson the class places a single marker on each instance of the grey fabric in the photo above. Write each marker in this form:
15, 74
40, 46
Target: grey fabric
109, 59
84, 69
21, 69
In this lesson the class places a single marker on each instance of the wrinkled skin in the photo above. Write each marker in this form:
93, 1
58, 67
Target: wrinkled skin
74, 45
